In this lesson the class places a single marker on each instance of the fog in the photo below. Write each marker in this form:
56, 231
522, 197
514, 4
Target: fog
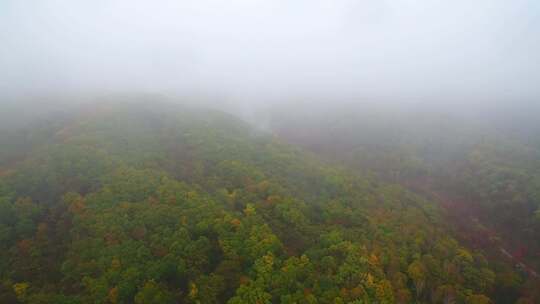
261, 52
370, 150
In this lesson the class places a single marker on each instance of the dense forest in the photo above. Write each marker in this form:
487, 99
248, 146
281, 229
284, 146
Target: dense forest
162, 203
483, 167
270, 152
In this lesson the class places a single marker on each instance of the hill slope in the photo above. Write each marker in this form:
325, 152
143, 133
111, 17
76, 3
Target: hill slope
483, 168
156, 203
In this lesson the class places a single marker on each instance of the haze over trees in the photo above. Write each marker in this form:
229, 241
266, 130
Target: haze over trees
268, 151
160, 203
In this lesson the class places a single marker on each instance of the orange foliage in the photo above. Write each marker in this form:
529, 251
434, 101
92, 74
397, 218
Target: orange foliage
24, 246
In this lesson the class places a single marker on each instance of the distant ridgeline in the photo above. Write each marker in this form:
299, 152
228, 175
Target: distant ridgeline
156, 203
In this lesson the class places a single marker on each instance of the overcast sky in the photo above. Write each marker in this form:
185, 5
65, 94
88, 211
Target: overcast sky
259, 50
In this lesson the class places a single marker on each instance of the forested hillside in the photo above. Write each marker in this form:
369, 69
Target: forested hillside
158, 203
485, 170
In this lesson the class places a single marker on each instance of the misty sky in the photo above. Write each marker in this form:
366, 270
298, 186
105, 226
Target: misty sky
263, 50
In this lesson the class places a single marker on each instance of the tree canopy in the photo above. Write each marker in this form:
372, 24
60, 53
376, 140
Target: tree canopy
165, 204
